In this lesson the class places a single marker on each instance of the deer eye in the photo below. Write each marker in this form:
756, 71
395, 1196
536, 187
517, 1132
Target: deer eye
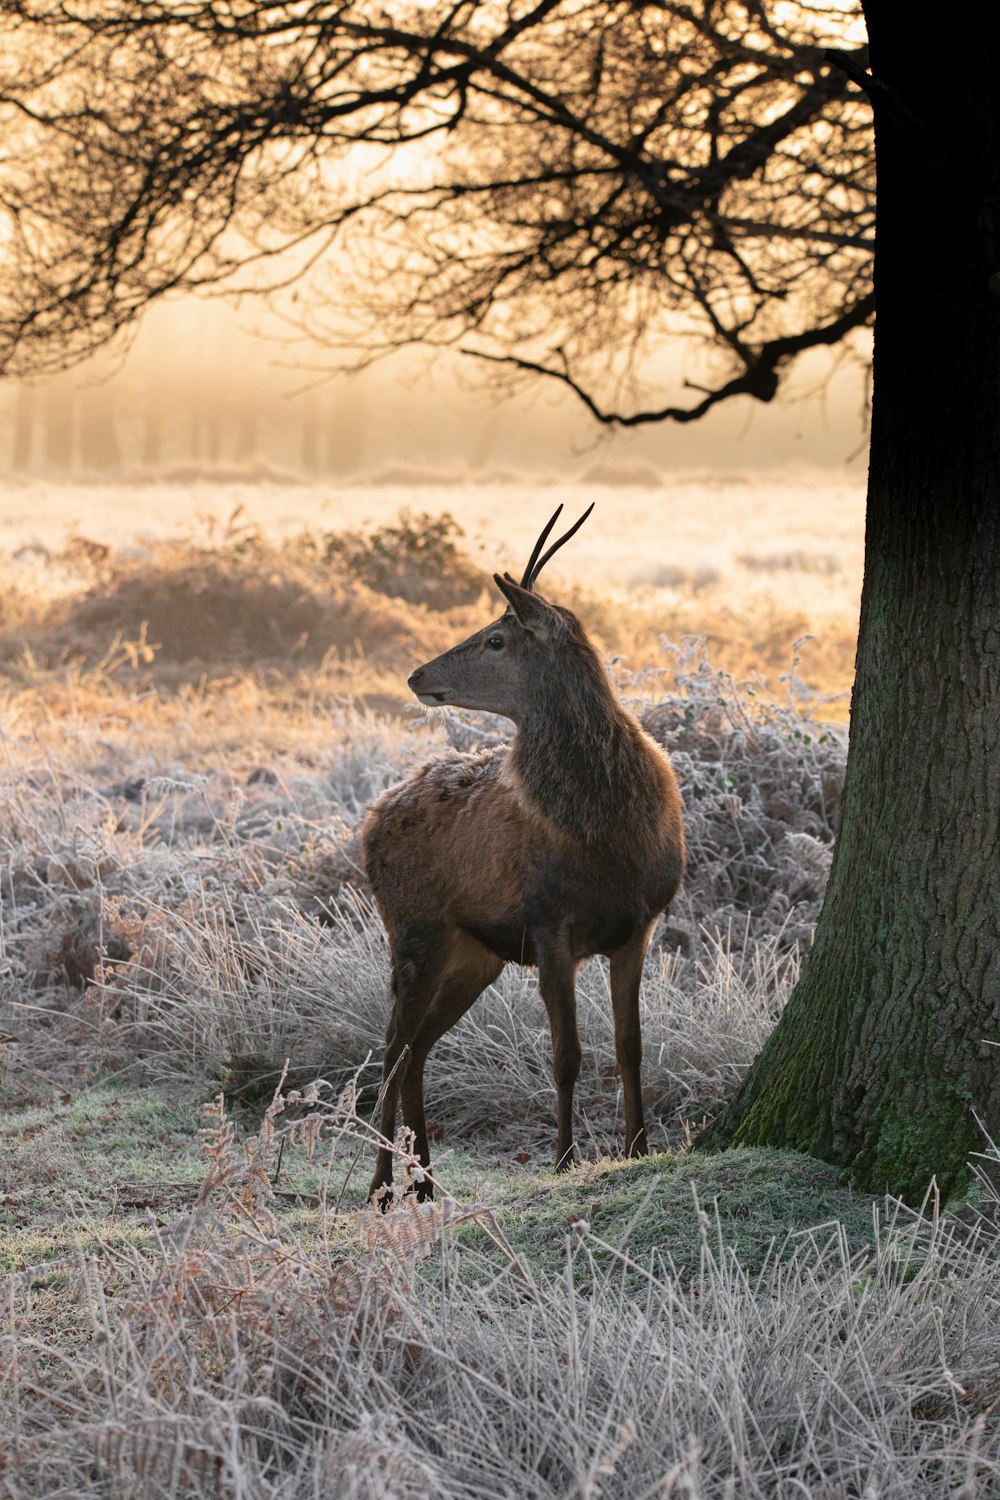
495, 642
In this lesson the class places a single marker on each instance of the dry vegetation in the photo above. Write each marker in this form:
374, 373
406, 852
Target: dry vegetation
190, 738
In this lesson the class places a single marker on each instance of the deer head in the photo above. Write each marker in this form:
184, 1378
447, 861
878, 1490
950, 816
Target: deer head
505, 665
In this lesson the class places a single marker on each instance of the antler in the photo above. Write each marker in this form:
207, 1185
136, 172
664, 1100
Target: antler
535, 564
526, 580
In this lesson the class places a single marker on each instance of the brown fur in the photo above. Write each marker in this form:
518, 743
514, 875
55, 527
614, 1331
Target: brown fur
565, 845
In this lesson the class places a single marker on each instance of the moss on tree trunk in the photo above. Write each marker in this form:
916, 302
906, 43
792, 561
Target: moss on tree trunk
887, 1051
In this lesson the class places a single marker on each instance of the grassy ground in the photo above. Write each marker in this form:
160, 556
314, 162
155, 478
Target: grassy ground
197, 1298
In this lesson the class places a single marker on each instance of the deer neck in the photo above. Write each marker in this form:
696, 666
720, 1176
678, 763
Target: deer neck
577, 759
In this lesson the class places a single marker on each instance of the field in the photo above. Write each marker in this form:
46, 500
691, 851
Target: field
203, 687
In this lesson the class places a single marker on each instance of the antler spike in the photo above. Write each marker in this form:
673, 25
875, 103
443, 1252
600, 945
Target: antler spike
535, 567
527, 575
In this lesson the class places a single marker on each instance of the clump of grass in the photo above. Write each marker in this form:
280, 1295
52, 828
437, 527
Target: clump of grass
752, 1204
187, 609
222, 992
761, 786
417, 559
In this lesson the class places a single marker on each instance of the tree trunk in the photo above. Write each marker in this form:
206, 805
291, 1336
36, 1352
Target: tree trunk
888, 1049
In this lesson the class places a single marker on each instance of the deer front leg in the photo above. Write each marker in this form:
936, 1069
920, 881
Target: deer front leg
626, 977
557, 982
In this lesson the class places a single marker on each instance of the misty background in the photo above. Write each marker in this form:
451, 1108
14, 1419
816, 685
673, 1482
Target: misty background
207, 389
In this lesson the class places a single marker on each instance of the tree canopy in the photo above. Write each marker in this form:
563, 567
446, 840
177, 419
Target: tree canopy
558, 185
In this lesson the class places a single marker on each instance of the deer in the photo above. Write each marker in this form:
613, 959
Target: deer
565, 844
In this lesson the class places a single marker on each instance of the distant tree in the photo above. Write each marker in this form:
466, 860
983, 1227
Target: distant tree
559, 186
153, 426
58, 427
100, 450
309, 434
25, 419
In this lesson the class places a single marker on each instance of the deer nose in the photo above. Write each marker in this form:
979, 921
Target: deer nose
417, 683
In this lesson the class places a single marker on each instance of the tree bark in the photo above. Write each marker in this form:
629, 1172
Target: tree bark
889, 1048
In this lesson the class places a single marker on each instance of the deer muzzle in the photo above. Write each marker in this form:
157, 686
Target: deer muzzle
419, 684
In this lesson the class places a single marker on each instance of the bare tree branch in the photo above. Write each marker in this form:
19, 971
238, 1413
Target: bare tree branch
579, 176
759, 379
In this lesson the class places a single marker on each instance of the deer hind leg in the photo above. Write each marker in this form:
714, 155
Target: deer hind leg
557, 982
417, 963
626, 976
470, 969
430, 997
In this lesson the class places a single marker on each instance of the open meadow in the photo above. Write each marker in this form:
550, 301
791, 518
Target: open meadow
203, 686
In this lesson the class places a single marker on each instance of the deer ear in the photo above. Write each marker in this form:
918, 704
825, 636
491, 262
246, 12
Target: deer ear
529, 609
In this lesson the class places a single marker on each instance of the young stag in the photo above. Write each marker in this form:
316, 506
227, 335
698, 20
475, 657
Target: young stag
565, 844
